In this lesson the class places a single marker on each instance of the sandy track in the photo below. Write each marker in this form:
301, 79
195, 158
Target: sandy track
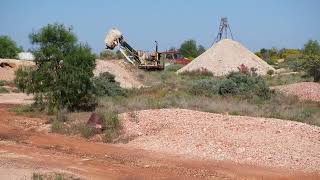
246, 140
34, 150
16, 98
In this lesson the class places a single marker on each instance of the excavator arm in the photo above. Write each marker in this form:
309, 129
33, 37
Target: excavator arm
115, 38
144, 60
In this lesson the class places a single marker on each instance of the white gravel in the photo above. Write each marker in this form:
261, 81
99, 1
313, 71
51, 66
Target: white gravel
224, 57
249, 140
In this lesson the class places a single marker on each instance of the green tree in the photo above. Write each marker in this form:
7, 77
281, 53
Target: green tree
64, 68
8, 48
190, 49
312, 47
311, 63
201, 50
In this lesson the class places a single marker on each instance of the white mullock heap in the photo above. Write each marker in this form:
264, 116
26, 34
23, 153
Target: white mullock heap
26, 56
226, 56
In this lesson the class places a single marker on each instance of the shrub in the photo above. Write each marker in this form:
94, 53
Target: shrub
8, 48
105, 85
243, 69
293, 63
57, 127
111, 125
248, 85
190, 49
62, 78
312, 47
2, 82
228, 86
204, 87
199, 72
287, 53
3, 90
173, 67
271, 61
311, 64
85, 131
270, 72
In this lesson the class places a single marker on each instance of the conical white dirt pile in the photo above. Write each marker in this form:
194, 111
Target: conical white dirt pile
226, 56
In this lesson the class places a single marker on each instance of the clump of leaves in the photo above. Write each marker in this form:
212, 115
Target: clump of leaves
105, 85
8, 48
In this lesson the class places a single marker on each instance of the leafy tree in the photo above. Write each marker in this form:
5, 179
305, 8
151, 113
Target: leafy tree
201, 50
312, 47
62, 77
311, 63
190, 49
289, 53
8, 48
269, 54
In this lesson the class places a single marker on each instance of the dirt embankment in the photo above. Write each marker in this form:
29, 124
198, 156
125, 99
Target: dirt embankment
125, 74
262, 142
9, 66
27, 147
303, 90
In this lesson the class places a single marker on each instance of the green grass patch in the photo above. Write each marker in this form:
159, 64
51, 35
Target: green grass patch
3, 90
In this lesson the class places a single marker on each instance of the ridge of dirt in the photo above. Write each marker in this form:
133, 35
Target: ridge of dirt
9, 66
34, 150
303, 90
246, 140
124, 73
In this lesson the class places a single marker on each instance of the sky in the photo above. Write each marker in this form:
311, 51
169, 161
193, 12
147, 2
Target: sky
256, 24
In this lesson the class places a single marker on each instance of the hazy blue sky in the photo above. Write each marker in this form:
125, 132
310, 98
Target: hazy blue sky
255, 23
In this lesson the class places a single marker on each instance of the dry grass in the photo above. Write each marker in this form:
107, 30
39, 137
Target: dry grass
172, 91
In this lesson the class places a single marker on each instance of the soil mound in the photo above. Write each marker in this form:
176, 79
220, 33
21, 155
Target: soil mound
124, 73
9, 66
304, 90
257, 141
224, 57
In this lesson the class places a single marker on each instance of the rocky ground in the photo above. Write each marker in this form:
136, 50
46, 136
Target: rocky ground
246, 140
303, 90
27, 147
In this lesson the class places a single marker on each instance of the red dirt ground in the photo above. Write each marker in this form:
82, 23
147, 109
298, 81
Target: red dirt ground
34, 149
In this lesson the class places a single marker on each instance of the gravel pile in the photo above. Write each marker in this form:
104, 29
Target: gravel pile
249, 140
226, 56
124, 73
303, 90
9, 66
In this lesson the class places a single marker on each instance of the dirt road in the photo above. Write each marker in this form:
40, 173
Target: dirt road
26, 147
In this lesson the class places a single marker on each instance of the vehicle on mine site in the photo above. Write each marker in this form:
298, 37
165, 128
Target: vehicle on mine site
144, 60
174, 57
